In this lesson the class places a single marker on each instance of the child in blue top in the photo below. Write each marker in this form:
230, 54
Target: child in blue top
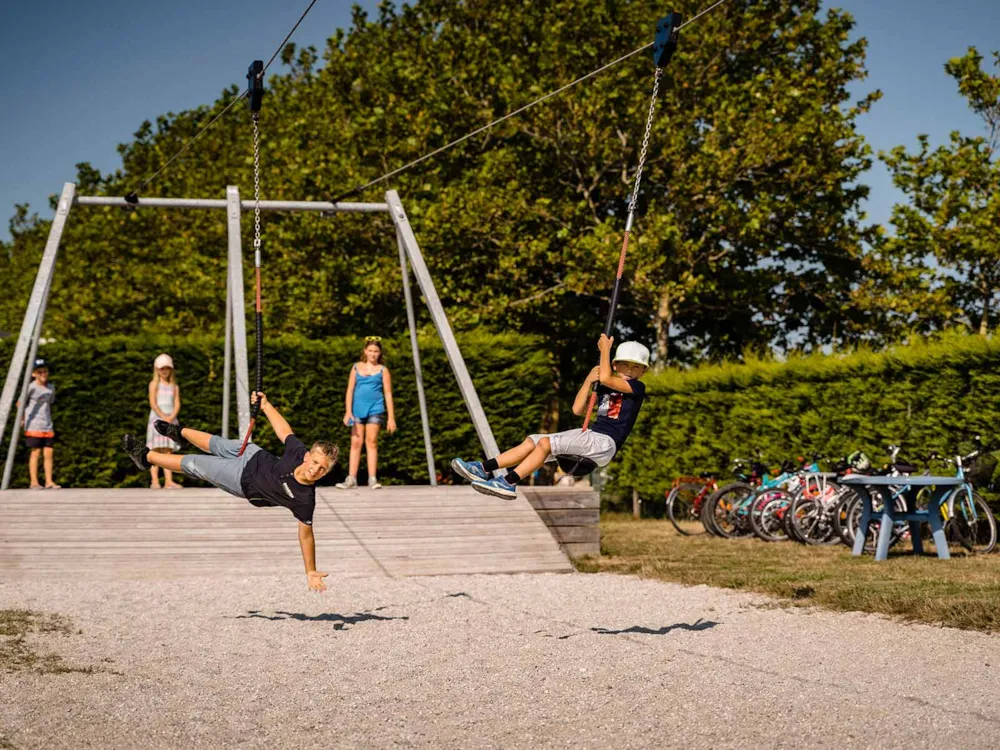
367, 405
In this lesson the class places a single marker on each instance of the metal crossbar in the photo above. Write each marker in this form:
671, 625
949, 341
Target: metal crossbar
236, 343
210, 203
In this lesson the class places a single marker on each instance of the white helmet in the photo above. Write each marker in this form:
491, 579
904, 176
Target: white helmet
634, 352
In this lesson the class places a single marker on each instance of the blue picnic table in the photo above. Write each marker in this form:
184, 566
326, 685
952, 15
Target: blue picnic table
885, 486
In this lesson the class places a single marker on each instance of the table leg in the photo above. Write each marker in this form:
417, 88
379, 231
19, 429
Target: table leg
916, 527
937, 525
885, 530
866, 517
916, 536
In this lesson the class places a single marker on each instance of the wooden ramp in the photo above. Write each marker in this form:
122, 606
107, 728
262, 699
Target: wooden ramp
396, 531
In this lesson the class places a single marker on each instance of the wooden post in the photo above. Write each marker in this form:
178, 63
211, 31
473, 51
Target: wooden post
636, 504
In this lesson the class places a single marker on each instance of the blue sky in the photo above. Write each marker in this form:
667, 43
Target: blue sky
81, 76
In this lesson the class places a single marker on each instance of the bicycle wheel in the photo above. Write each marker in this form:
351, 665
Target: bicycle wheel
810, 522
726, 512
973, 523
841, 512
681, 505
767, 515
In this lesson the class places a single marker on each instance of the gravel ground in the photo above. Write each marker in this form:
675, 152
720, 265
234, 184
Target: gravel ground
487, 661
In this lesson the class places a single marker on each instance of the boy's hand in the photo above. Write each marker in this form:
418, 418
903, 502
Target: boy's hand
316, 580
604, 344
595, 374
264, 403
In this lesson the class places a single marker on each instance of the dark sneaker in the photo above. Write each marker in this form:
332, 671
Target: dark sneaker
470, 471
170, 430
498, 487
136, 451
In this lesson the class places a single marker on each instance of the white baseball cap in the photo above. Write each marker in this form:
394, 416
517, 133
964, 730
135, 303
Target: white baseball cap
164, 360
634, 352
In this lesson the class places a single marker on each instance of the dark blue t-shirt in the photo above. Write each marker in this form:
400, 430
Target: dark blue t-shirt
617, 411
270, 480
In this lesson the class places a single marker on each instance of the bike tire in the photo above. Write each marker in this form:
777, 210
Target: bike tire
809, 522
681, 506
978, 535
767, 513
720, 512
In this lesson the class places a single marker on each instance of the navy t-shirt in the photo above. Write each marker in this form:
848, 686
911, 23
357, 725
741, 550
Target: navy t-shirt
617, 411
270, 480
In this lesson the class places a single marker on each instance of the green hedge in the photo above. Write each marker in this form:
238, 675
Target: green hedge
102, 385
927, 396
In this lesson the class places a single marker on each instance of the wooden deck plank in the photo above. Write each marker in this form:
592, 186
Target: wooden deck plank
161, 534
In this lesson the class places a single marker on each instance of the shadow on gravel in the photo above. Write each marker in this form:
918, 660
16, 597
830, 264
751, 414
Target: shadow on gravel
340, 622
697, 625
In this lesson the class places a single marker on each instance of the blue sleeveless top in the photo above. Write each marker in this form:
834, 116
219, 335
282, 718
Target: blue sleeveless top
369, 398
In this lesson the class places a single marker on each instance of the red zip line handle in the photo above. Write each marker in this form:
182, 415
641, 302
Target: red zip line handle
611, 318
255, 407
610, 324
259, 327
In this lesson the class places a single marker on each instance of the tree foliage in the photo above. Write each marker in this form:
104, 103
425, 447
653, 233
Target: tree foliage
945, 255
748, 232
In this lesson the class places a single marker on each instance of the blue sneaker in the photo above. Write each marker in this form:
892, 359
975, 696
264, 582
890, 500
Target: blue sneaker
470, 471
498, 487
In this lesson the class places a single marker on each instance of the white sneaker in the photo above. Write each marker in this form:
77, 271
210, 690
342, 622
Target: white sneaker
349, 483
374, 484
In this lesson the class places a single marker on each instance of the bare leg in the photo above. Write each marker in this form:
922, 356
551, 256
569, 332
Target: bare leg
155, 474
47, 457
371, 448
516, 455
357, 440
168, 475
165, 460
197, 438
535, 459
33, 466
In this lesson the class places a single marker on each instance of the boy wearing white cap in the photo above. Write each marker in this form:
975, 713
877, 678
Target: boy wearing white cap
620, 395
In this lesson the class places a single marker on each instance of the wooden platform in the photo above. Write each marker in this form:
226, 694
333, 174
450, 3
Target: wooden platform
396, 531
573, 515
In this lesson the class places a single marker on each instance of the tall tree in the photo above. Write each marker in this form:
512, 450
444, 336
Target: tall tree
748, 231
953, 214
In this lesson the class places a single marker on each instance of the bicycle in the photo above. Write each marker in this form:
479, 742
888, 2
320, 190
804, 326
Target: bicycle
685, 500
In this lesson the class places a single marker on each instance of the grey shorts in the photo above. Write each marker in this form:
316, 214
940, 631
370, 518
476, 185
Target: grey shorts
597, 447
224, 468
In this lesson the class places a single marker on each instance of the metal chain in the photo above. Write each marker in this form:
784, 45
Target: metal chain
256, 188
645, 141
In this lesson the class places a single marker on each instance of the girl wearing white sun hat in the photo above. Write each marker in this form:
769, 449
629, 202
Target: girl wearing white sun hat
165, 404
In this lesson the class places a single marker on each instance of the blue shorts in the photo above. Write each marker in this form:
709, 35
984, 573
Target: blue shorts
371, 419
224, 468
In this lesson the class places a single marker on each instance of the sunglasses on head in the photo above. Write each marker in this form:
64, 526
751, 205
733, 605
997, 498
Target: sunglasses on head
375, 339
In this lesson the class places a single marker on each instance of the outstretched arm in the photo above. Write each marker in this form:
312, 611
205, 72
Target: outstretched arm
308, 544
281, 428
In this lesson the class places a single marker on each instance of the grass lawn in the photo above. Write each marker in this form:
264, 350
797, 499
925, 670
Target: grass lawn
963, 592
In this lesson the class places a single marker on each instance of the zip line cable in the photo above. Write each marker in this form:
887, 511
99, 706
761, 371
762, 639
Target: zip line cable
287, 37
517, 111
133, 197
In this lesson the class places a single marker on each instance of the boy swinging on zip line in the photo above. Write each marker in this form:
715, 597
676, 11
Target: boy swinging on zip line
259, 476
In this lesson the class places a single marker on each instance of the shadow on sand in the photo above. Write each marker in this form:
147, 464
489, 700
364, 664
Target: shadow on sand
639, 629
340, 622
